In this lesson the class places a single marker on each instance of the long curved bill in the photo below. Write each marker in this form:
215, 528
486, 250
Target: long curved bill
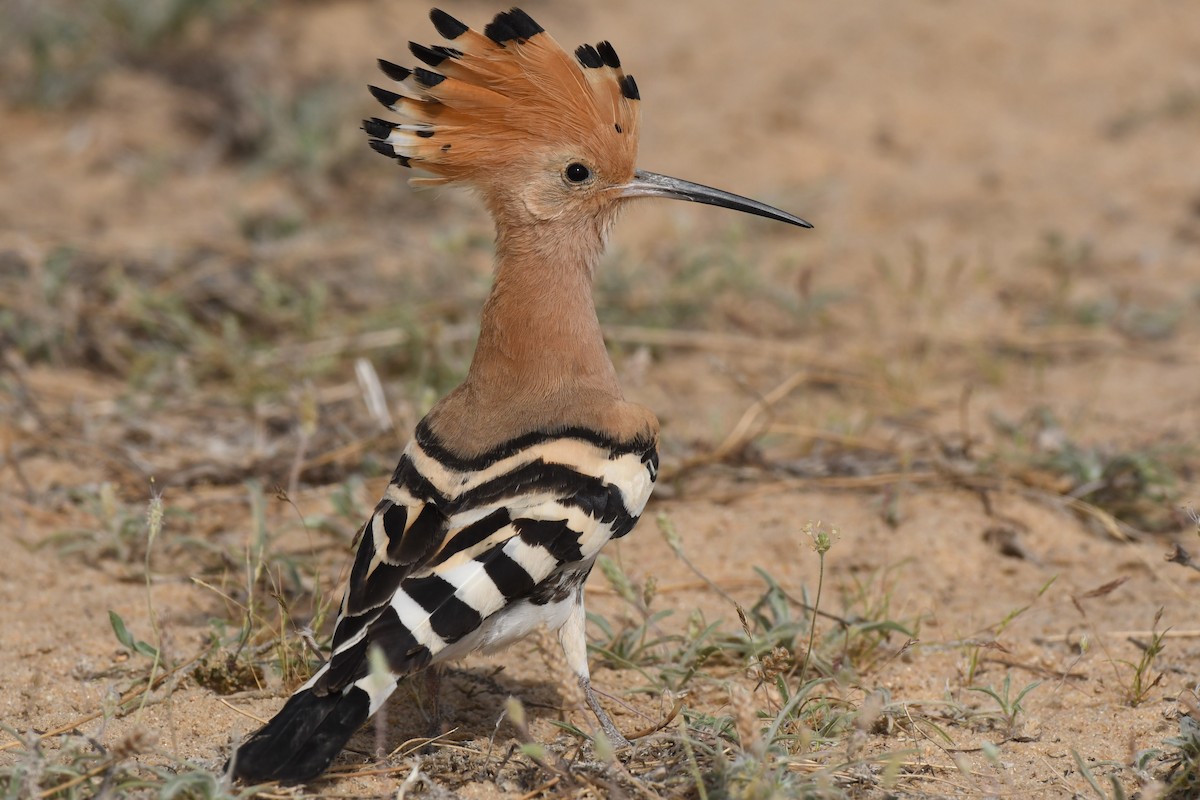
651, 184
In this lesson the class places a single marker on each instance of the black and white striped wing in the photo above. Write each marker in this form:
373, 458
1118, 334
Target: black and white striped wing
456, 545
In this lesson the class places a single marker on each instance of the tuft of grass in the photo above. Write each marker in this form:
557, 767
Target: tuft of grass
302, 130
787, 727
138, 320
84, 768
1144, 679
1089, 775
795, 735
258, 637
1067, 262
1008, 706
975, 648
1138, 484
116, 532
1182, 760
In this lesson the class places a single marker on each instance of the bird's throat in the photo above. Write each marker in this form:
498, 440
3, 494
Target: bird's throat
539, 334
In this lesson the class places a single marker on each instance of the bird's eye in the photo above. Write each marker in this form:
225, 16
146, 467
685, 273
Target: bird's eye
578, 173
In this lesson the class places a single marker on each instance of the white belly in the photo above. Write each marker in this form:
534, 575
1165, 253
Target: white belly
505, 627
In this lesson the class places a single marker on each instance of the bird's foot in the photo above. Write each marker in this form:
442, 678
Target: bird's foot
614, 736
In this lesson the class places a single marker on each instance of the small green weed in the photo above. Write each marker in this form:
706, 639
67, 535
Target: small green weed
1144, 679
130, 318
779, 737
975, 649
1086, 770
1008, 707
128, 640
117, 531
1182, 775
83, 768
1138, 484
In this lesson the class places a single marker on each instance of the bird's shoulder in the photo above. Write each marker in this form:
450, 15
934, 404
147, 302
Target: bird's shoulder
443, 508
476, 423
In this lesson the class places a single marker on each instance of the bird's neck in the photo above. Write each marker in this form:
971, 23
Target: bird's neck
540, 365
539, 336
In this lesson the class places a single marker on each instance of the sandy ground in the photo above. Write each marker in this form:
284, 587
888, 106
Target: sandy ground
1004, 279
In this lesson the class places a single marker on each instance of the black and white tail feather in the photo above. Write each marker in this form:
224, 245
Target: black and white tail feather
461, 555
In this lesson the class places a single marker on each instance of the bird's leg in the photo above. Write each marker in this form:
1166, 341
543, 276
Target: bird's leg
615, 737
433, 695
574, 644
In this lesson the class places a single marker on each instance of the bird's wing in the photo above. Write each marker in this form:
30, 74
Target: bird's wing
454, 541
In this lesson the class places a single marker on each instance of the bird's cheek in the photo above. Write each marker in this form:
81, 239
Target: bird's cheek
544, 206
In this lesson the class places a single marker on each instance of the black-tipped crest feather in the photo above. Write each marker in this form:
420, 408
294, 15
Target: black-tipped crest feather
588, 56
378, 128
426, 54
629, 88
386, 97
447, 26
427, 78
488, 94
383, 148
512, 25
608, 55
394, 71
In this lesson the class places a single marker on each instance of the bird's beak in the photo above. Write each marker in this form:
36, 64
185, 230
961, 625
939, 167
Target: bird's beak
650, 184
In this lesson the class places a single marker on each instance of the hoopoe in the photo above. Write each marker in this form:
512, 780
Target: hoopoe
514, 481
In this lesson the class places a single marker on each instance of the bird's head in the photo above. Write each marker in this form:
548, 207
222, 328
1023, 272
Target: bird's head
542, 134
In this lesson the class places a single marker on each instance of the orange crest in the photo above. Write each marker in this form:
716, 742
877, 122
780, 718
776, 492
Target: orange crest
490, 102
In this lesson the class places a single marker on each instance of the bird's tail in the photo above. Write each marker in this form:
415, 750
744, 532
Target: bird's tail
301, 741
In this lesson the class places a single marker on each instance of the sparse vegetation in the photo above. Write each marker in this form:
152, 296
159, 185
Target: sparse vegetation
1182, 760
990, 388
1008, 707
1139, 485
61, 49
1144, 678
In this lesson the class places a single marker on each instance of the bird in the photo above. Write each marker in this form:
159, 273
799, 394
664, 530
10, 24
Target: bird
514, 481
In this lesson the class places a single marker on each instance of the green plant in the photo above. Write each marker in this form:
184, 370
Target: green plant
117, 531
1009, 707
975, 649
822, 542
83, 768
1143, 679
1182, 774
1138, 483
128, 640
1085, 770
790, 716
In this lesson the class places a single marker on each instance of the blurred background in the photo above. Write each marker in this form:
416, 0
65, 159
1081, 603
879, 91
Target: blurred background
187, 196
207, 278
185, 186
